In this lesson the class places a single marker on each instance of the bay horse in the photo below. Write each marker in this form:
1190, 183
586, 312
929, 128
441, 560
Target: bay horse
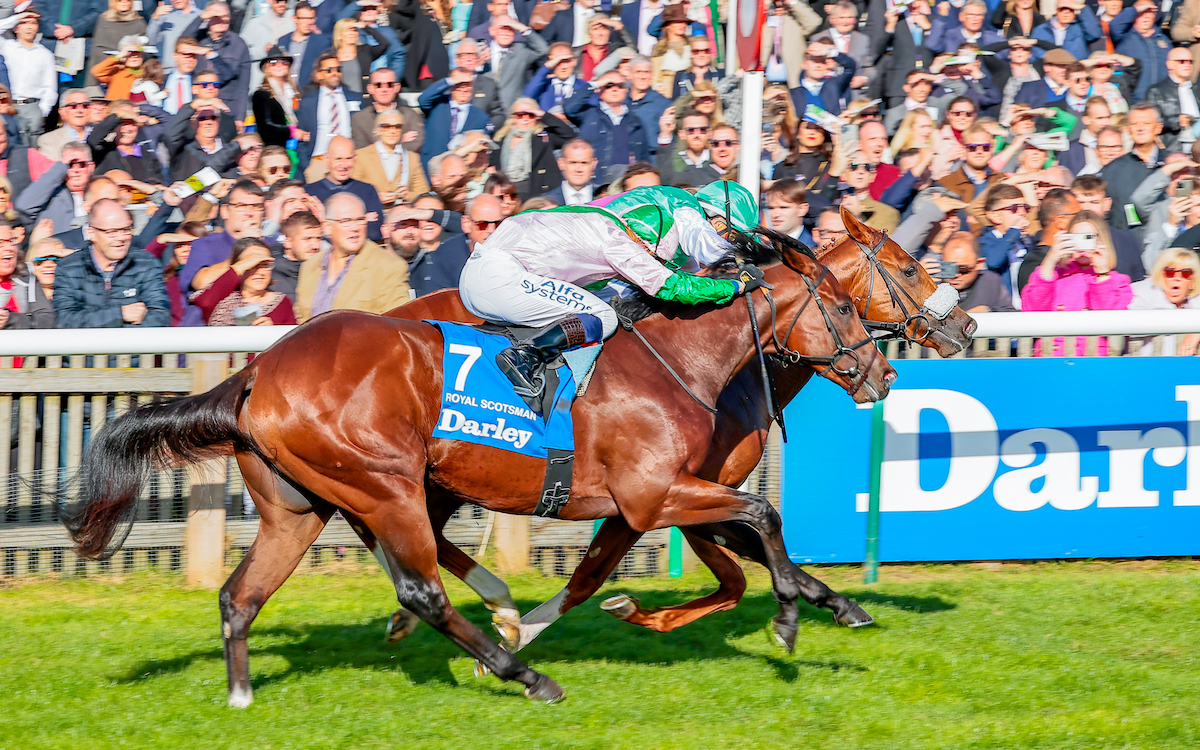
889, 289
339, 415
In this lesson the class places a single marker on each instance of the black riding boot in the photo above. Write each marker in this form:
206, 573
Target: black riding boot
525, 362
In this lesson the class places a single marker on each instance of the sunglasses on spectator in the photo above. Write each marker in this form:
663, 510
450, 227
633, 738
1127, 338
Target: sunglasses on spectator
278, 170
332, 69
700, 50
209, 84
1016, 208
76, 105
385, 84
816, 59
218, 19
485, 224
869, 167
708, 95
725, 142
206, 118
1081, 79
964, 269
506, 196
961, 112
696, 131
1171, 272
391, 126
614, 85
78, 164
977, 146
44, 258
529, 115
247, 206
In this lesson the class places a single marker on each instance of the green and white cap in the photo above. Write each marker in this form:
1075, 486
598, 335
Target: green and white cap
729, 199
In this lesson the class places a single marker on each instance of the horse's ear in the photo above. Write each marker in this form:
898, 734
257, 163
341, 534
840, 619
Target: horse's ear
859, 230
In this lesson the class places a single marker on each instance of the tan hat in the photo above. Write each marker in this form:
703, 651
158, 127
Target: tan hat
1058, 56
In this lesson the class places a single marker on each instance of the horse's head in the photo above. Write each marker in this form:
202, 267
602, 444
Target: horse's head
818, 325
890, 287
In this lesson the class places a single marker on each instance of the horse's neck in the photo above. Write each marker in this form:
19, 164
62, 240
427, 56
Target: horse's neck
708, 350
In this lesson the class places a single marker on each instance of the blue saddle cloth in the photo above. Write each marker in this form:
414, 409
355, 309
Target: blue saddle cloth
479, 405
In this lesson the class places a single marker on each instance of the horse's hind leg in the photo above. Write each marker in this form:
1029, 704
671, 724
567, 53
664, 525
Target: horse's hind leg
283, 538
731, 586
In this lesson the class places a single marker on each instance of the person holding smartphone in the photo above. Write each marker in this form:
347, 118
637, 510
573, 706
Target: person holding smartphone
1077, 274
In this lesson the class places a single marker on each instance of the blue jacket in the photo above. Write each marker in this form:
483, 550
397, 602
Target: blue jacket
1151, 51
232, 64
317, 43
1080, 34
307, 116
540, 87
947, 36
648, 109
1036, 94
81, 301
435, 105
430, 271
834, 92
83, 18
1001, 252
598, 129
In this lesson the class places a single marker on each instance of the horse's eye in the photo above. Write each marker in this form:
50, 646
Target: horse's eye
911, 271
845, 309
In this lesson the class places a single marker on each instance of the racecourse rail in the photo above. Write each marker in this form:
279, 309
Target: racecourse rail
65, 386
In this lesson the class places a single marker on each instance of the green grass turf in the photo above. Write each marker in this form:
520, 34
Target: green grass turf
1072, 655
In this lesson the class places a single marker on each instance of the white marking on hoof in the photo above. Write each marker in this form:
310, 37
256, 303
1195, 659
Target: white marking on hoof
507, 623
226, 630
779, 639
239, 698
481, 669
594, 552
621, 606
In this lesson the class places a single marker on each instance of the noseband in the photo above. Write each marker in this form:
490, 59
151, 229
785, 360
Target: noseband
916, 316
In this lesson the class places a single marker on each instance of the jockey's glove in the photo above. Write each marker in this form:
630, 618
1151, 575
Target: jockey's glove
750, 278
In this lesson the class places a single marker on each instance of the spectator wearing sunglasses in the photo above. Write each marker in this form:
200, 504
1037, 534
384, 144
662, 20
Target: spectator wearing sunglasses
700, 70
527, 145
57, 193
225, 52
73, 105
243, 292
383, 93
273, 101
274, 165
1006, 241
974, 176
821, 84
205, 148
1173, 284
685, 164
35, 296
856, 198
555, 81
393, 171
604, 120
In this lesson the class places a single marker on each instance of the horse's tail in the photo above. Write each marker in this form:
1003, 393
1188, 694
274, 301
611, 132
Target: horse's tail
122, 456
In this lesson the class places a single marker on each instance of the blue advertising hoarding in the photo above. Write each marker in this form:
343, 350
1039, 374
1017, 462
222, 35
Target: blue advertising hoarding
993, 459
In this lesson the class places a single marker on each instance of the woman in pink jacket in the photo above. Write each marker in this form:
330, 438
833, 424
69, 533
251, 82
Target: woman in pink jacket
1077, 275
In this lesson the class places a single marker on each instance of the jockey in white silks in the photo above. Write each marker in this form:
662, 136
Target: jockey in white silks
538, 269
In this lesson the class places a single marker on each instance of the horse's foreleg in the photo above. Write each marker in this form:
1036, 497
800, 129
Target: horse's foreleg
283, 538
743, 541
695, 502
731, 585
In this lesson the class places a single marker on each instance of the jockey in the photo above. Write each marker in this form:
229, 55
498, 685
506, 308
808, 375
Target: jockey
533, 270
687, 231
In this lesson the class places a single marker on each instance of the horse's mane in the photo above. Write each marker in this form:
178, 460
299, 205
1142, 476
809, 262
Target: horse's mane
744, 248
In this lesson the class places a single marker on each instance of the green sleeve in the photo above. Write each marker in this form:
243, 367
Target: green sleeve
1063, 120
691, 290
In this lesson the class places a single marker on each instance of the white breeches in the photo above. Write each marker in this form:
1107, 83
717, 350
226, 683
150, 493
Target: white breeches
498, 289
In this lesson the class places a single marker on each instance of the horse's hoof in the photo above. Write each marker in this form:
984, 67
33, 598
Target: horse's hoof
507, 623
239, 698
401, 625
854, 617
481, 669
785, 637
545, 690
621, 606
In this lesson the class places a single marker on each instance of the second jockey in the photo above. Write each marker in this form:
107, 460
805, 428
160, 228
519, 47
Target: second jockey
536, 269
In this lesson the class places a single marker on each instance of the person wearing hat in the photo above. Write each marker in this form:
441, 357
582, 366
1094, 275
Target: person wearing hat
261, 35
1136, 34
1072, 27
533, 269
272, 101
1053, 85
672, 53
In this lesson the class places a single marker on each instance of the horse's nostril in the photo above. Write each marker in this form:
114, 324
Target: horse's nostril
889, 378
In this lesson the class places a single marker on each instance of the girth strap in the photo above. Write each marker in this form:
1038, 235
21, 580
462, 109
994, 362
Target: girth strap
556, 488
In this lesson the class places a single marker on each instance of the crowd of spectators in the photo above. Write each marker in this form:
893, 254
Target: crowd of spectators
213, 163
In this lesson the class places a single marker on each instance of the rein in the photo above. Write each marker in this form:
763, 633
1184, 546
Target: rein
841, 351
627, 324
917, 320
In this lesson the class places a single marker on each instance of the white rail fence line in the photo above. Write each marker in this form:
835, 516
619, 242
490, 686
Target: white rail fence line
56, 398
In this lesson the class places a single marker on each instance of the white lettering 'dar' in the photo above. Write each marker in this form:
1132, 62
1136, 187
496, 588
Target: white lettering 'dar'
1064, 488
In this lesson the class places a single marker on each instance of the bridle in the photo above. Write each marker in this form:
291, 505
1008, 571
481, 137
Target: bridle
916, 315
